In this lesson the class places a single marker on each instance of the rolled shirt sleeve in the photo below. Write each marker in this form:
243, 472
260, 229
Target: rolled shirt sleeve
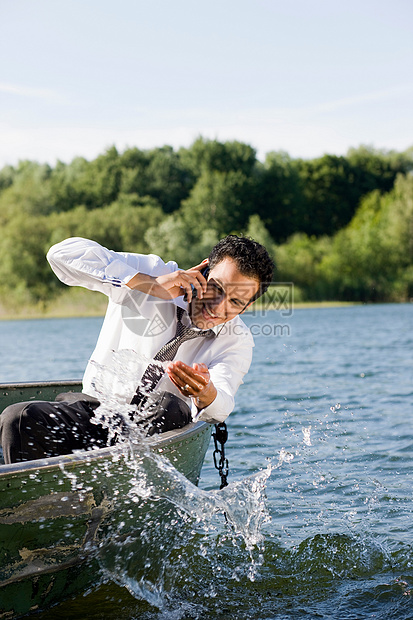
82, 262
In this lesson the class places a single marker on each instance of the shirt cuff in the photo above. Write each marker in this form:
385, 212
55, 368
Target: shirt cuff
216, 412
119, 272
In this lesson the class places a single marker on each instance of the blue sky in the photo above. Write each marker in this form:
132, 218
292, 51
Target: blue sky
304, 76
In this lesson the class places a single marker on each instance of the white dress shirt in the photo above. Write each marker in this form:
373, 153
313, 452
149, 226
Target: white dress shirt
142, 323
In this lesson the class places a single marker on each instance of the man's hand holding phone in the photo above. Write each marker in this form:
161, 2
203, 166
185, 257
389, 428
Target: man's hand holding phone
191, 282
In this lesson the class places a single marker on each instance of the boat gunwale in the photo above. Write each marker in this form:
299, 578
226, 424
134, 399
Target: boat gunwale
157, 442
39, 384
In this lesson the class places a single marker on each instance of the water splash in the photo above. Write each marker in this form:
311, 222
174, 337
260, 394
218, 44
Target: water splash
155, 476
243, 502
307, 435
284, 457
184, 525
169, 511
116, 385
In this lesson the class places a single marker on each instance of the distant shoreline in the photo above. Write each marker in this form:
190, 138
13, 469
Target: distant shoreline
73, 310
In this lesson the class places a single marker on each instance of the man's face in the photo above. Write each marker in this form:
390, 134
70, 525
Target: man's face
228, 294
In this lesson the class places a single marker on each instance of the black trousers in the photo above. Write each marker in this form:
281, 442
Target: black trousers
39, 429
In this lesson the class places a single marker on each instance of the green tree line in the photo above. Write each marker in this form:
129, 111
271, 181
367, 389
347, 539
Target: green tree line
339, 227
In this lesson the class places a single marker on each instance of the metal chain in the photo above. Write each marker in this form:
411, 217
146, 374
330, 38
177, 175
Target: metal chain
220, 437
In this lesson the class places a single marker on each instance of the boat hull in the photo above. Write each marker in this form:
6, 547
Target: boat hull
62, 518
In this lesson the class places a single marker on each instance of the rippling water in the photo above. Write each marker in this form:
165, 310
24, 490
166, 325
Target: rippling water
328, 402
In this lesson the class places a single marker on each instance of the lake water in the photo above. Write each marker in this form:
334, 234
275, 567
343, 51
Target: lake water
328, 401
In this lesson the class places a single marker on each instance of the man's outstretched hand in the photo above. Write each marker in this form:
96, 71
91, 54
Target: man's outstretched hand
193, 381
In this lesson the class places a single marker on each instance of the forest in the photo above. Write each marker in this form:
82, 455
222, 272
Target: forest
338, 227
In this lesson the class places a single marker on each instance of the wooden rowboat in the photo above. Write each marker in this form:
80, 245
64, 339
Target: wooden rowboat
60, 516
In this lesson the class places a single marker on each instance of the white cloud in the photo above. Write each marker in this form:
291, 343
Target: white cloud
305, 131
300, 137
372, 97
29, 92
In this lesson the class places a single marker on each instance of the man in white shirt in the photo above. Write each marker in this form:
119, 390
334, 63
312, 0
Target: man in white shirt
150, 302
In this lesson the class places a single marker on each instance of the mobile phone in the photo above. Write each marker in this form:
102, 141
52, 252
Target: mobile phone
205, 272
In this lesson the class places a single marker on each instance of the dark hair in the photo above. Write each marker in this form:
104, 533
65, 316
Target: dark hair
251, 258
